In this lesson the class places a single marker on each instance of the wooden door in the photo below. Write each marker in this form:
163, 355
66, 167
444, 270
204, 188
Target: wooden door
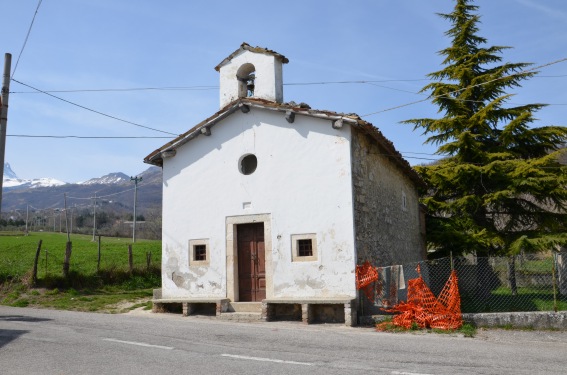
251, 262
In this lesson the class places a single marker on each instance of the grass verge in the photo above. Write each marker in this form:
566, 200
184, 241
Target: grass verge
109, 287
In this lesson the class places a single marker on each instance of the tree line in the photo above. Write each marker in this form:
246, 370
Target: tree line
108, 221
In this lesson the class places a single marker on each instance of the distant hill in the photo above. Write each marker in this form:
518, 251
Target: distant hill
109, 179
113, 188
11, 181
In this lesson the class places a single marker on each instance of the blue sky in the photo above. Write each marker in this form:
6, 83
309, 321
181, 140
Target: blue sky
120, 44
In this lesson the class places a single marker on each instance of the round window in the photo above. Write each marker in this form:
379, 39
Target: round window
248, 164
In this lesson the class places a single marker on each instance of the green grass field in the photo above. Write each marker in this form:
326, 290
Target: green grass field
527, 299
86, 288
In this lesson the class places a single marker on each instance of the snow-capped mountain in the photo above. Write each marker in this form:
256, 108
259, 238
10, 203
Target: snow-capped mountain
11, 180
8, 172
109, 179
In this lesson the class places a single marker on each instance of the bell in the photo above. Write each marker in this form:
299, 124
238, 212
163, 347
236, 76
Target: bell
250, 87
250, 84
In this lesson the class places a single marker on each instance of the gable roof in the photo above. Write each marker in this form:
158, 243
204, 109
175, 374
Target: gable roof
156, 157
248, 47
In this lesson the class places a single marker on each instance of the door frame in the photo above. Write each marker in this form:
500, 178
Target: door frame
232, 252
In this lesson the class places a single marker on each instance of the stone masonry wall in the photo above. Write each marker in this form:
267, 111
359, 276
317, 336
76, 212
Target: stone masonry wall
387, 231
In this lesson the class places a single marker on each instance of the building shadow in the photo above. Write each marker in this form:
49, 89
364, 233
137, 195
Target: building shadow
9, 335
21, 318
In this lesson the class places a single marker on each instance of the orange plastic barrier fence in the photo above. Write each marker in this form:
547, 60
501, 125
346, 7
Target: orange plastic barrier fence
423, 309
365, 276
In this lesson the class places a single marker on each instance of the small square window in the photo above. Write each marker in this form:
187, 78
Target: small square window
199, 252
304, 247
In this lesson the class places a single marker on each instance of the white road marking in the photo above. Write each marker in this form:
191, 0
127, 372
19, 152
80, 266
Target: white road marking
266, 359
407, 373
140, 344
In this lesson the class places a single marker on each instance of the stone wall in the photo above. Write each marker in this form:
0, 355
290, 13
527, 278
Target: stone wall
388, 218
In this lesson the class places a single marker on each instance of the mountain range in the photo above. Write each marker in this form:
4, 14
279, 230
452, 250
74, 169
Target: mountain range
48, 193
12, 181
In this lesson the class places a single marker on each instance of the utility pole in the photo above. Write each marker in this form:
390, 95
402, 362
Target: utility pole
4, 117
72, 215
94, 217
68, 246
27, 216
136, 180
66, 220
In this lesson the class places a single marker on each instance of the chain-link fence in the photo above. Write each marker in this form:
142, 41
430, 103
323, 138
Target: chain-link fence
531, 282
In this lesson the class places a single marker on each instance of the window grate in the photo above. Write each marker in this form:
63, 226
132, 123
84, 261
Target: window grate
304, 248
200, 252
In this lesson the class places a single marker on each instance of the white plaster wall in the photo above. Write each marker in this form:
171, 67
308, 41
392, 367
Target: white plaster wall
268, 82
303, 180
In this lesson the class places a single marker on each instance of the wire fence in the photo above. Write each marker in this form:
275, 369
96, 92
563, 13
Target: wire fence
529, 282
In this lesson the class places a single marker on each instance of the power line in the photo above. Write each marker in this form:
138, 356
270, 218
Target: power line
95, 111
26, 39
456, 91
415, 157
417, 153
181, 88
214, 87
109, 195
557, 76
349, 82
209, 87
103, 196
81, 137
393, 88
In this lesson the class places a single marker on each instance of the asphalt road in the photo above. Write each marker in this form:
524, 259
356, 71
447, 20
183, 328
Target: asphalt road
62, 342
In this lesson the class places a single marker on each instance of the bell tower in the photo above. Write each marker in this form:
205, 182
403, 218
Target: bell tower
251, 72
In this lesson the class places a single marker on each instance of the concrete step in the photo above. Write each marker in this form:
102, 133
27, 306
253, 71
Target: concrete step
245, 307
240, 316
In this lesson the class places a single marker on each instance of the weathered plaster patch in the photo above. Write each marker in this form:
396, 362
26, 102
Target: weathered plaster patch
172, 264
214, 285
311, 283
178, 280
198, 272
332, 233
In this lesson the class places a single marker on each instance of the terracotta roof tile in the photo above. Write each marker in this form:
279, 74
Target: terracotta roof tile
248, 47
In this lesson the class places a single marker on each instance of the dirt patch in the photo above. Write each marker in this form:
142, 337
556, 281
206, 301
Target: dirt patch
126, 306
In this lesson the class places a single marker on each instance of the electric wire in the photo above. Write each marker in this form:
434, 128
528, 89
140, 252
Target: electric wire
466, 88
95, 111
204, 88
180, 88
190, 88
26, 39
93, 197
83, 137
349, 82
140, 184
